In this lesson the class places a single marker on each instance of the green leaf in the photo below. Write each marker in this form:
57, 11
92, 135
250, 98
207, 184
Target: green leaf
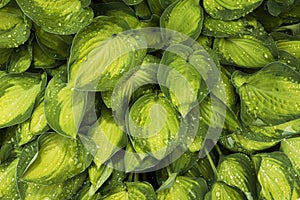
5, 56
20, 59
221, 190
98, 176
153, 125
246, 51
53, 45
219, 28
229, 10
134, 190
117, 9
184, 188
59, 17
276, 7
64, 190
291, 148
237, 170
89, 67
142, 10
265, 104
40, 58
290, 46
184, 16
189, 67
35, 125
64, 106
8, 187
14, 26
3, 3
18, 93
247, 141
51, 159
132, 2
108, 136
155, 7
275, 175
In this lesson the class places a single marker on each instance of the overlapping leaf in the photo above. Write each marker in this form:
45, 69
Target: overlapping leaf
60, 17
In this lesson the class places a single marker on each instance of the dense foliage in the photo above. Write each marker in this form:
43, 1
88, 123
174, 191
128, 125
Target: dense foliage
150, 99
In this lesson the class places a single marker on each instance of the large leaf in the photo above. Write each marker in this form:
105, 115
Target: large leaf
52, 158
101, 54
134, 190
190, 67
275, 175
18, 93
8, 187
270, 96
64, 106
60, 17
184, 188
35, 125
247, 51
153, 124
108, 137
229, 10
237, 170
20, 59
54, 45
14, 26
64, 190
291, 148
221, 190
184, 16
117, 9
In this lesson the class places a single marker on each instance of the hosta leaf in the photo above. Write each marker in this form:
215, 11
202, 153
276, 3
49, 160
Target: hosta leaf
290, 46
291, 148
89, 67
184, 188
142, 10
132, 2
237, 170
219, 28
221, 190
64, 190
153, 125
5, 56
246, 51
3, 3
18, 93
117, 9
52, 159
275, 175
247, 142
40, 58
155, 7
20, 59
229, 10
60, 17
134, 161
35, 125
108, 136
128, 85
276, 7
8, 187
193, 71
263, 103
98, 176
14, 26
184, 16
134, 190
55, 46
64, 106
